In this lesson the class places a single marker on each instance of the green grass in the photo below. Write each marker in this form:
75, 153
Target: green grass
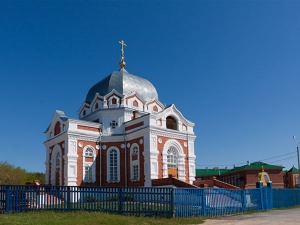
87, 218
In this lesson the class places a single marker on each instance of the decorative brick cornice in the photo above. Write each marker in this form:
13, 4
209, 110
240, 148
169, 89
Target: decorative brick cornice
173, 135
73, 137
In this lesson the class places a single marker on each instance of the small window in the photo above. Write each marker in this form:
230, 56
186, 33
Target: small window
57, 128
155, 109
135, 103
84, 113
96, 105
89, 152
113, 124
135, 150
171, 123
114, 101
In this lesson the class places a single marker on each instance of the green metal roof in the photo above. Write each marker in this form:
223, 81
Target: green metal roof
293, 170
210, 172
254, 165
257, 165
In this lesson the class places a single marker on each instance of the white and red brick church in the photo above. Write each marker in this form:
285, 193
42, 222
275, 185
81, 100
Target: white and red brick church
124, 136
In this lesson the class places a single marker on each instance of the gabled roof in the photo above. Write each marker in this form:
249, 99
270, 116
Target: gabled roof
293, 170
58, 114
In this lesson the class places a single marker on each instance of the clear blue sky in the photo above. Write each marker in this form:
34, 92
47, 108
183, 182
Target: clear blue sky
231, 67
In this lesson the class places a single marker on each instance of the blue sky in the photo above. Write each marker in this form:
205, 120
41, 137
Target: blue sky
231, 67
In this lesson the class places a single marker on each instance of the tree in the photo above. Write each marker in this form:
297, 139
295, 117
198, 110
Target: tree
10, 174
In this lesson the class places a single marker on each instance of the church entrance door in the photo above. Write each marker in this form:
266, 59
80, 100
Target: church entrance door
173, 172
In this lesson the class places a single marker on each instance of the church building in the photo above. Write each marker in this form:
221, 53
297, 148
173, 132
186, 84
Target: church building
124, 136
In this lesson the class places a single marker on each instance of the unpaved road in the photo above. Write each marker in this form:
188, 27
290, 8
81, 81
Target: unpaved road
272, 217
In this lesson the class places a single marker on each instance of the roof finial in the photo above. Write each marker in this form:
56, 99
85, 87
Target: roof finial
122, 62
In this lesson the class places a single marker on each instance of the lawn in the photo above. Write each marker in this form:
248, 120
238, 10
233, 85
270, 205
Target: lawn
87, 218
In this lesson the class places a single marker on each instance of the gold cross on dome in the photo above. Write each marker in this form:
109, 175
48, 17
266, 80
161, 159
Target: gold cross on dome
122, 62
123, 44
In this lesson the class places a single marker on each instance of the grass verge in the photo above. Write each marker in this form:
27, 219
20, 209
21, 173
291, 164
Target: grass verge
87, 218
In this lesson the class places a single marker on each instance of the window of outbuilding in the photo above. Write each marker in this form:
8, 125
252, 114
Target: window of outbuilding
171, 123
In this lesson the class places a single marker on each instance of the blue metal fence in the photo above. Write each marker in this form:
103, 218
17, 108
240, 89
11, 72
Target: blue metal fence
132, 201
283, 198
166, 202
190, 202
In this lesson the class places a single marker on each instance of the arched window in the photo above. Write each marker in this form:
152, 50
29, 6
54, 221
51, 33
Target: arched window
155, 109
134, 163
57, 169
171, 123
89, 152
57, 160
57, 128
113, 165
89, 164
172, 157
135, 103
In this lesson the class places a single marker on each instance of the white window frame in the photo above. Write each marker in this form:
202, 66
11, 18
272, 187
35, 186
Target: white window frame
135, 164
92, 165
88, 173
54, 166
172, 158
111, 105
109, 180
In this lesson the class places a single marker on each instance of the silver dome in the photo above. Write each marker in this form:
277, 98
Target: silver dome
124, 83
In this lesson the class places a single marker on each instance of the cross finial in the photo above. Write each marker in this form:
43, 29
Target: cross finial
122, 62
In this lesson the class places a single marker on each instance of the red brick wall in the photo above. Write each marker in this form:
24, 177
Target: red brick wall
88, 128
124, 178
80, 169
134, 126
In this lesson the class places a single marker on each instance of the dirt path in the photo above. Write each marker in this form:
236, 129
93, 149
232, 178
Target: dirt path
274, 217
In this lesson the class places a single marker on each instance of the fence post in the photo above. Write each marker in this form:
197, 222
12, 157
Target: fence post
244, 202
260, 186
172, 202
120, 201
7, 198
203, 207
270, 194
68, 198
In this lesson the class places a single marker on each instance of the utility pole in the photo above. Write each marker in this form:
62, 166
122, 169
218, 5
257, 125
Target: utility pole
298, 159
